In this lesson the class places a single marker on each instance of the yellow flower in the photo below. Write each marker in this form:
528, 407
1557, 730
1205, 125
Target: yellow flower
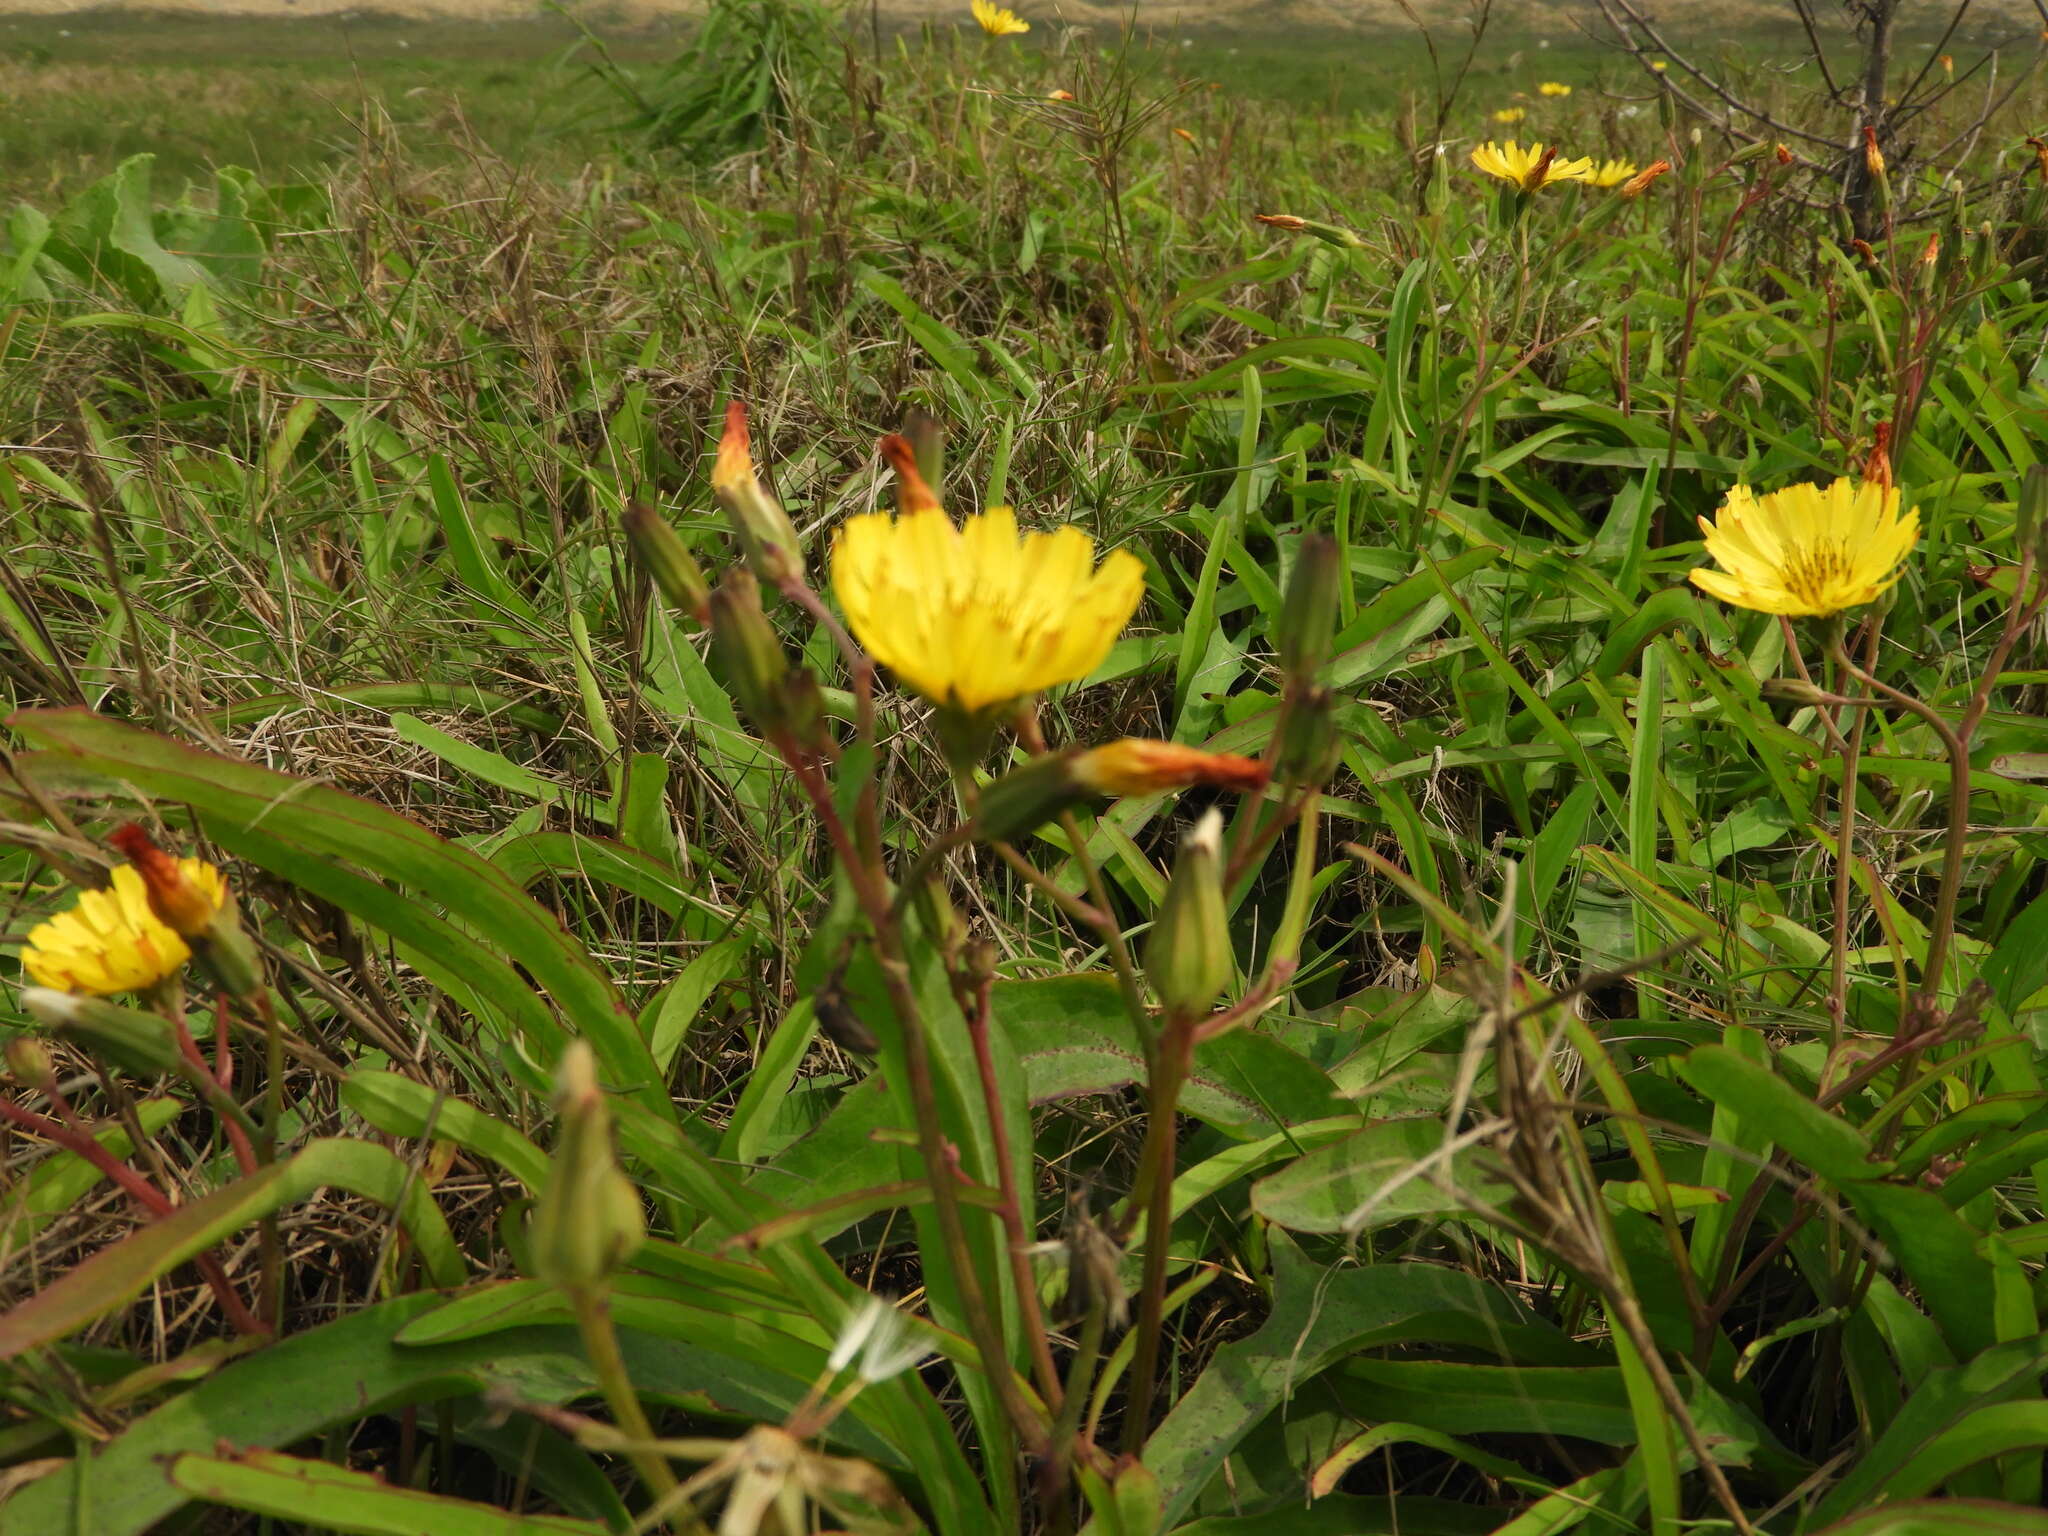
1553, 88
1510, 115
110, 941
1659, 65
997, 21
978, 616
1807, 550
1612, 173
1531, 168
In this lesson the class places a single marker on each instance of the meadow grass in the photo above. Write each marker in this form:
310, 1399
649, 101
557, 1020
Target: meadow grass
1625, 1105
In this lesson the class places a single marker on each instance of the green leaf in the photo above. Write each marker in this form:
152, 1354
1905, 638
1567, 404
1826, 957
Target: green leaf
289, 1488
398, 1106
1397, 1170
1318, 1317
2018, 968
1826, 1143
1945, 1517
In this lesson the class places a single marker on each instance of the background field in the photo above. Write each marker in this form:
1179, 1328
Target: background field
333, 353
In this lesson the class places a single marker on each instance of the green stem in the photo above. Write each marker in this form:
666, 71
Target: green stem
601, 1344
1153, 1191
1942, 931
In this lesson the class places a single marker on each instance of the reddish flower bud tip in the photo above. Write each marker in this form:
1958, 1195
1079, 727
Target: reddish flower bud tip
1282, 220
735, 454
912, 494
178, 901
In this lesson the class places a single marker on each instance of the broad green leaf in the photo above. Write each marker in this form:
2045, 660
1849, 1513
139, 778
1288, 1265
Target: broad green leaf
290, 1488
1318, 1317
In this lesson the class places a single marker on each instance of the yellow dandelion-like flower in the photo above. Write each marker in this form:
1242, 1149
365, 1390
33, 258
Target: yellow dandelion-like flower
977, 616
1553, 88
1808, 550
110, 941
1612, 173
997, 21
1510, 115
1530, 169
1659, 65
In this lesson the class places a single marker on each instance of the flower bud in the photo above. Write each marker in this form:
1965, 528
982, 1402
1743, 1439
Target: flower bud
136, 1042
28, 1061
189, 898
1793, 690
662, 556
2040, 149
914, 493
927, 441
1137, 766
1308, 616
764, 529
1749, 152
587, 1220
1028, 796
1329, 234
1187, 953
178, 901
745, 646
1309, 745
1639, 183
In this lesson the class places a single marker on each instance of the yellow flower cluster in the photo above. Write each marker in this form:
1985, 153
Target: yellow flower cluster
111, 940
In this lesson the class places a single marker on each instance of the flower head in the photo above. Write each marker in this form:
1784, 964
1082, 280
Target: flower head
1808, 550
976, 616
1612, 173
1553, 88
110, 941
1873, 157
1660, 65
997, 21
1530, 169
1509, 116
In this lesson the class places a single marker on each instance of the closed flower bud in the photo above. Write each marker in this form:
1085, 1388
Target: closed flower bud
587, 1220
1308, 616
1137, 766
1793, 690
136, 1042
1309, 745
1639, 183
1784, 154
1187, 953
914, 493
745, 646
764, 529
1329, 234
189, 898
1873, 157
2040, 149
1028, 796
1749, 152
662, 556
180, 902
28, 1060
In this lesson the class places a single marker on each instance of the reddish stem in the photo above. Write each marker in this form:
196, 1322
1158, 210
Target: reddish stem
142, 1192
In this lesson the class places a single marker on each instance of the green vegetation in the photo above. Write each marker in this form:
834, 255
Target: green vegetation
1596, 1084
